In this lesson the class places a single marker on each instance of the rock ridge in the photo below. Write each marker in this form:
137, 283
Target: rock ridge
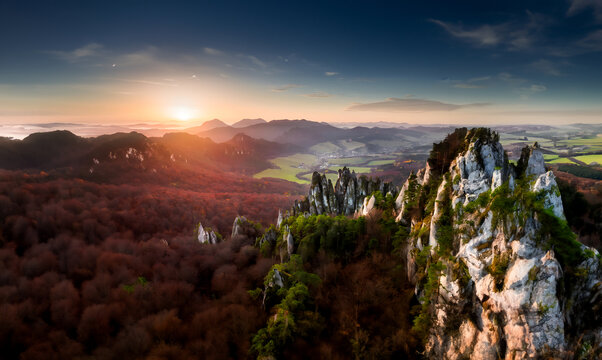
497, 270
346, 197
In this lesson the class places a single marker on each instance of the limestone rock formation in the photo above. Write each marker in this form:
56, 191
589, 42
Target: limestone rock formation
242, 227
288, 239
280, 219
237, 226
206, 235
497, 270
346, 197
270, 237
367, 206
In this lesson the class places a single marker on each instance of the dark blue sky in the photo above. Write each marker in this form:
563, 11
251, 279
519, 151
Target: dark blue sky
439, 61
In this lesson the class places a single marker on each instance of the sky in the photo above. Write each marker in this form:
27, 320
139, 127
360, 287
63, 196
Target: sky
178, 62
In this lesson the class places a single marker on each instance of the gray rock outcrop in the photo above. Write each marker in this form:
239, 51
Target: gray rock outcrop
346, 197
502, 291
206, 236
238, 226
290, 242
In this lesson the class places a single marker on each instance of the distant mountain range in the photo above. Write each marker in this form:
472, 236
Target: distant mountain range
305, 133
245, 146
275, 130
58, 149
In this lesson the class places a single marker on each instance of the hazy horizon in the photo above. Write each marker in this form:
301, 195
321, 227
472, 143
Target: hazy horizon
20, 131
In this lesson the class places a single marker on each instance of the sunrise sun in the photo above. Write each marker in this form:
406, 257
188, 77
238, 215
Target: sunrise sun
182, 113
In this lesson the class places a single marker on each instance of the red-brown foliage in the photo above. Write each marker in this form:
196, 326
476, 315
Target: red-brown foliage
114, 270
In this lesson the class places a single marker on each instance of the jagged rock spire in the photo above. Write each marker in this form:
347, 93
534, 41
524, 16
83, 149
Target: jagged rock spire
206, 236
346, 197
497, 295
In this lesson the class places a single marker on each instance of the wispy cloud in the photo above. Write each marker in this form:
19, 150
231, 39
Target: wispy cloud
592, 41
468, 86
526, 92
578, 6
537, 88
331, 73
472, 83
165, 82
318, 94
410, 105
512, 35
286, 87
144, 57
511, 79
212, 51
255, 61
97, 55
547, 67
484, 35
84, 52
477, 79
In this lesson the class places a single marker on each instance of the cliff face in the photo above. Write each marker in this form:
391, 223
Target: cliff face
345, 198
497, 270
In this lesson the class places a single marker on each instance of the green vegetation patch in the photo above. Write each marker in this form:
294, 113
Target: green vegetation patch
560, 160
350, 145
289, 167
498, 269
324, 148
597, 140
381, 162
423, 322
350, 161
480, 202
588, 159
293, 314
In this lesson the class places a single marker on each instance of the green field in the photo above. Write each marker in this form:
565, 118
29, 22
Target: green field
381, 162
593, 141
324, 148
560, 160
548, 157
299, 167
333, 147
588, 159
289, 167
593, 144
350, 161
555, 159
507, 139
350, 145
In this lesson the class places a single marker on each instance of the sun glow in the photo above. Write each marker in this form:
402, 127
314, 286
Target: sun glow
182, 113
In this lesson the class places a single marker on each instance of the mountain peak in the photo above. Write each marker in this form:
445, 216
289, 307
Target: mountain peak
52, 136
212, 124
248, 122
